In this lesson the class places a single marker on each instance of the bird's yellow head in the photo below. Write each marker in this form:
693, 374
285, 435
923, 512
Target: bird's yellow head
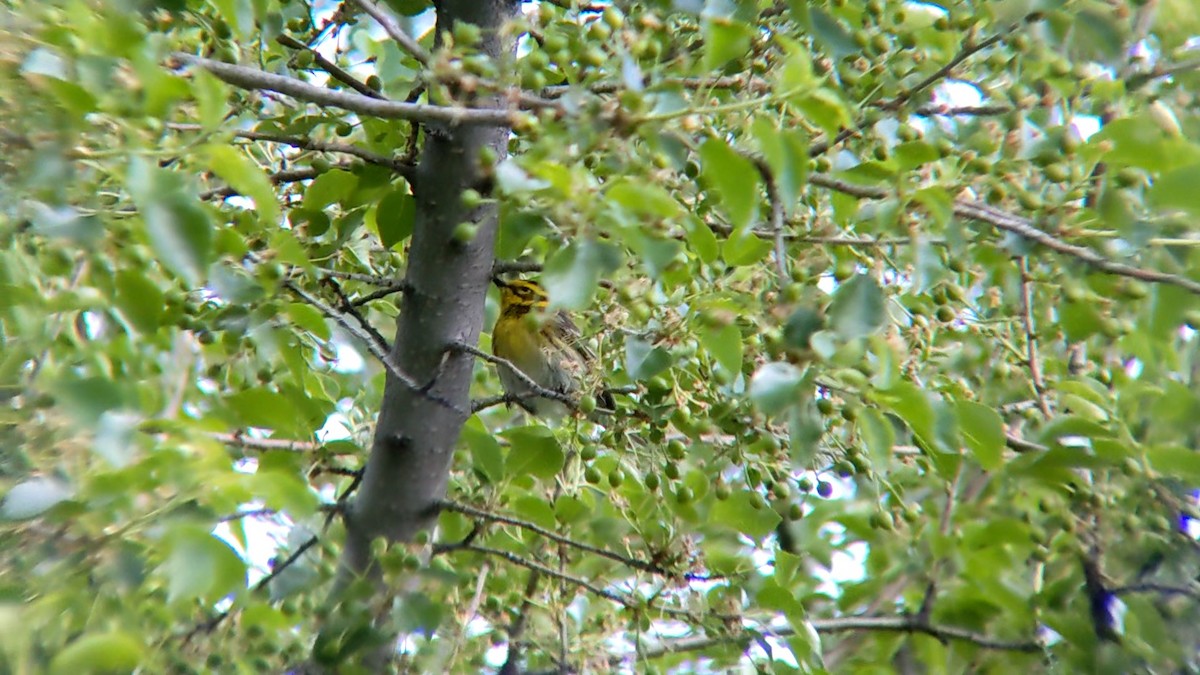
519, 296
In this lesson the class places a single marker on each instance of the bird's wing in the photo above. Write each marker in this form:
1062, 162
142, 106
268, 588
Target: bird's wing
564, 326
569, 333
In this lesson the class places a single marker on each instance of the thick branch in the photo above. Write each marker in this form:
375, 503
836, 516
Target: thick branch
373, 346
258, 80
900, 624
628, 561
1015, 224
335, 71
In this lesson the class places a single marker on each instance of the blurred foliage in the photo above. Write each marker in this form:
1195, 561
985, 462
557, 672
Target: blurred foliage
973, 417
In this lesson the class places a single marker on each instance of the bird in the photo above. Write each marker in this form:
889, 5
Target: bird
549, 349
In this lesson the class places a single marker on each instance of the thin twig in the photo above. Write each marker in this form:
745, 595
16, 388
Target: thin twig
904, 97
1025, 306
535, 390
776, 229
902, 624
349, 308
335, 71
258, 80
740, 82
394, 31
373, 279
211, 624
515, 266
512, 662
304, 143
398, 287
1161, 589
1161, 70
239, 439
481, 404
628, 602
277, 178
941, 109
372, 346
627, 561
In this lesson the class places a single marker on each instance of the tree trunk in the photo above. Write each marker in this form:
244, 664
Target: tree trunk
409, 463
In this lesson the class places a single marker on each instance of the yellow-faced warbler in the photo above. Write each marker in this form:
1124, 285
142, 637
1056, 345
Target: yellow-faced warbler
548, 349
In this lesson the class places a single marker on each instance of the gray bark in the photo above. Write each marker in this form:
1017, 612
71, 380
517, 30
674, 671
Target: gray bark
409, 463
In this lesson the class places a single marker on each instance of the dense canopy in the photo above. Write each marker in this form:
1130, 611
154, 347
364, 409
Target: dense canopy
897, 301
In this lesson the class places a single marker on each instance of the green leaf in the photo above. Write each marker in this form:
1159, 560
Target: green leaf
535, 510
826, 109
643, 198
233, 284
643, 360
656, 253
245, 177
1079, 320
913, 154
572, 274
486, 455
516, 230
829, 33
310, 319
805, 429
702, 240
982, 431
107, 652
534, 451
1139, 142
733, 177
1086, 409
179, 228
928, 265
774, 386
260, 407
1177, 190
738, 513
393, 217
330, 187
199, 566
877, 434
1176, 462
724, 41
1097, 36
909, 403
796, 74
278, 483
801, 326
140, 300
32, 498
937, 202
210, 94
857, 309
786, 153
88, 398
744, 248
724, 343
